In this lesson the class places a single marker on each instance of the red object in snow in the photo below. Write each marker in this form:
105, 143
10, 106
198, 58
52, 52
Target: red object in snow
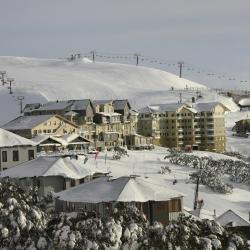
96, 154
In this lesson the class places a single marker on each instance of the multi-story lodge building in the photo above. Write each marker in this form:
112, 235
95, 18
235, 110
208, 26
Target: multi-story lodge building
198, 125
106, 122
30, 126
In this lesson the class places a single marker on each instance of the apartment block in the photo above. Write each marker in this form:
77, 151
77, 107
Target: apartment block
200, 125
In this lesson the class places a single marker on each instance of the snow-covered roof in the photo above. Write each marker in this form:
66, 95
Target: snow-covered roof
50, 166
109, 114
230, 218
158, 108
63, 140
73, 113
124, 189
68, 138
244, 102
174, 107
39, 139
209, 106
8, 139
26, 122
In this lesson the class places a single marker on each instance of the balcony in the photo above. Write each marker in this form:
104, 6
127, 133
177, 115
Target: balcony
210, 128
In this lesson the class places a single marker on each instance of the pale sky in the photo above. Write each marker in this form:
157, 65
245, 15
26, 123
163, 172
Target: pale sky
212, 35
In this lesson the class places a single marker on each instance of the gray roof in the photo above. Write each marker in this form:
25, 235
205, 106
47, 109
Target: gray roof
80, 104
120, 104
159, 108
26, 122
31, 106
56, 105
206, 106
100, 102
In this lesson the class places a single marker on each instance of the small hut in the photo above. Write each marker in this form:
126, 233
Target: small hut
158, 203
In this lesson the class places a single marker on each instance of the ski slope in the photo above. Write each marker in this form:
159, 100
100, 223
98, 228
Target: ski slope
39, 80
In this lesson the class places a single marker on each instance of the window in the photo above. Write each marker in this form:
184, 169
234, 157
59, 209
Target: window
15, 155
31, 154
4, 156
72, 182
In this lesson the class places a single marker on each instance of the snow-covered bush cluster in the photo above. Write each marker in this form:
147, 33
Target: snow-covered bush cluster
237, 155
188, 233
125, 227
23, 225
211, 171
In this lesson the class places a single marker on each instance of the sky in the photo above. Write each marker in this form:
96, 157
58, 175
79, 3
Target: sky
212, 35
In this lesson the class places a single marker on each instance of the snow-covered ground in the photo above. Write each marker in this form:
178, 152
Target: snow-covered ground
39, 80
148, 163
234, 143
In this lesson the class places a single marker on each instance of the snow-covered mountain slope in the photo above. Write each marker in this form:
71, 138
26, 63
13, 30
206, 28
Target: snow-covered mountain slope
53, 79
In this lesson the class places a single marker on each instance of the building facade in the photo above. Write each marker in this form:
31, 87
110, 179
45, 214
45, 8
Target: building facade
178, 125
30, 126
15, 150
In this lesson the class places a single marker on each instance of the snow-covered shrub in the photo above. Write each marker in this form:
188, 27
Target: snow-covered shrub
213, 180
188, 233
22, 223
165, 170
212, 171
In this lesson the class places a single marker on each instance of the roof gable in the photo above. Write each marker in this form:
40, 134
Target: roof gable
229, 217
26, 122
49, 166
121, 104
8, 139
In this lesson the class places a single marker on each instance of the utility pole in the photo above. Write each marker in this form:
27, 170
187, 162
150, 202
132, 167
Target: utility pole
137, 58
10, 80
93, 55
196, 194
2, 73
20, 99
180, 64
180, 97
